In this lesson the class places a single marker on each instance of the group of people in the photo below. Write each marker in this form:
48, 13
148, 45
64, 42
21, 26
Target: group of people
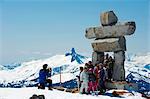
45, 78
92, 77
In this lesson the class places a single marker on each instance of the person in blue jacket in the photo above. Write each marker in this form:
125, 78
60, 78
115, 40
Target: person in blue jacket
43, 73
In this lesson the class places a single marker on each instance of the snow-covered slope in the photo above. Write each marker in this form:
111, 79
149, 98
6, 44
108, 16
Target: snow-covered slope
137, 63
27, 73
137, 71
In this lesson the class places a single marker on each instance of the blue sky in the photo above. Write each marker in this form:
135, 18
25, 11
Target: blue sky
39, 29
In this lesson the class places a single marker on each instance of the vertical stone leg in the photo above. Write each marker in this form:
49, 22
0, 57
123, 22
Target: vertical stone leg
97, 57
118, 69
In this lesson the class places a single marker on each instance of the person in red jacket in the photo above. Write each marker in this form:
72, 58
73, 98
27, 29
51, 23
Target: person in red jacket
96, 73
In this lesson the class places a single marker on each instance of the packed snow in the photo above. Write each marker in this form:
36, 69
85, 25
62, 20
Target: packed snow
106, 40
26, 93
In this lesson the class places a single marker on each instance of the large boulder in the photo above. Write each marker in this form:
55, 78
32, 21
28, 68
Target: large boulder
127, 28
108, 18
97, 57
118, 69
109, 45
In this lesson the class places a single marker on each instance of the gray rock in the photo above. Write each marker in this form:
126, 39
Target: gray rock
34, 97
109, 45
97, 57
90, 32
118, 69
127, 28
41, 97
108, 18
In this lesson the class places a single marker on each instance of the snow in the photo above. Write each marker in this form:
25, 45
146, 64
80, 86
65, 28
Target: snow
106, 40
136, 66
26, 93
26, 74
65, 77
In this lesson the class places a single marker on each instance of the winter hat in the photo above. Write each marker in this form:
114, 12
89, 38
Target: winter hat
85, 67
45, 66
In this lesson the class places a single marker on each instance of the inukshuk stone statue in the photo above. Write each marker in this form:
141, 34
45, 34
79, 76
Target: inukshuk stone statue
110, 38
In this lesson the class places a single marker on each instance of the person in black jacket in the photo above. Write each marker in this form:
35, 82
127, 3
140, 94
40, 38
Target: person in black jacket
102, 77
110, 68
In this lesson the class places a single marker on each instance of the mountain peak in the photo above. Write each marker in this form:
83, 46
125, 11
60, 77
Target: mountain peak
75, 57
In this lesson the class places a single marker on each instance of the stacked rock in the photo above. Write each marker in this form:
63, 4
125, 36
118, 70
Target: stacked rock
110, 38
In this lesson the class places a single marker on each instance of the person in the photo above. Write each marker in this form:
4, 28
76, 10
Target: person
92, 80
106, 58
79, 83
102, 78
49, 80
106, 68
96, 73
42, 77
84, 81
90, 64
110, 68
